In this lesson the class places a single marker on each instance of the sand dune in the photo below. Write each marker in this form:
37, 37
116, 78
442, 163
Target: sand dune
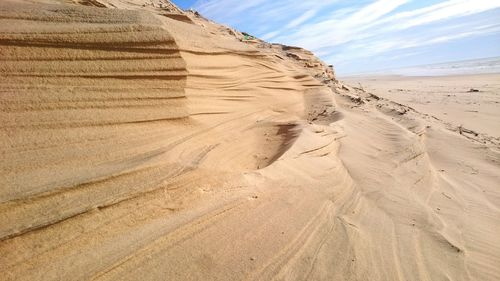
140, 142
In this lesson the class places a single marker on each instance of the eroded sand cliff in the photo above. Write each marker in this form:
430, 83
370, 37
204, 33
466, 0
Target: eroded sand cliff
141, 142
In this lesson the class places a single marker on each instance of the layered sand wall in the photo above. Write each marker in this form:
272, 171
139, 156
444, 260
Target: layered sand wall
88, 97
116, 133
140, 142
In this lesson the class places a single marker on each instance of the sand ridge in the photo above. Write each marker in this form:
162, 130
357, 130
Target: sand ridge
147, 143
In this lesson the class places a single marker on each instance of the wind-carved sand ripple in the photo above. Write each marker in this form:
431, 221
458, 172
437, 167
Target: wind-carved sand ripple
111, 146
81, 89
153, 144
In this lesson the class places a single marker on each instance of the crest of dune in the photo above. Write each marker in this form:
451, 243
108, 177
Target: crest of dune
142, 142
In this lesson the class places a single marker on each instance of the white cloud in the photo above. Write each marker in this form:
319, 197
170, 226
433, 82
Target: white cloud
298, 21
269, 35
346, 30
439, 12
226, 7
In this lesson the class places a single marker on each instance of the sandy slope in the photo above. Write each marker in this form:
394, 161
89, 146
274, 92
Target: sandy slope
143, 143
429, 207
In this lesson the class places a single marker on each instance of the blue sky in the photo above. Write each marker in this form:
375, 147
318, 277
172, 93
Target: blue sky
367, 35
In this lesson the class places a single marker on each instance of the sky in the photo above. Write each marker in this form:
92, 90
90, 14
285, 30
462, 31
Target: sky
367, 35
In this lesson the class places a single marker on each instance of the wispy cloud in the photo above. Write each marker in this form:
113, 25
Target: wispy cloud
343, 30
306, 16
441, 11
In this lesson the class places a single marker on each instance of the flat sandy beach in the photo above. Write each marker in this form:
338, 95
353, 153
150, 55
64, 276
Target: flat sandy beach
472, 101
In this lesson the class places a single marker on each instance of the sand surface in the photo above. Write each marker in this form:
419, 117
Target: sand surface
140, 142
449, 98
